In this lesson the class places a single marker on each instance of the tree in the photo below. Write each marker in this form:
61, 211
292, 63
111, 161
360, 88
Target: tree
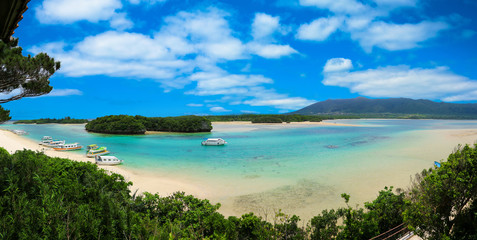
4, 115
22, 76
442, 200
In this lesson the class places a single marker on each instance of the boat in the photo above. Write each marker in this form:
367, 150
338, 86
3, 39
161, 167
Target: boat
214, 142
437, 164
54, 143
99, 151
68, 147
107, 160
91, 147
19, 132
45, 140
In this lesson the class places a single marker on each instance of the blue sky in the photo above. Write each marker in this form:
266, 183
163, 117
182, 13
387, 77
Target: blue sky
169, 57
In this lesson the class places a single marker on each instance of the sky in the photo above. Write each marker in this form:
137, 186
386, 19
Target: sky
171, 58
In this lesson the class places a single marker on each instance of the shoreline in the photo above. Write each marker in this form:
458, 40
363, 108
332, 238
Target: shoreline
419, 149
322, 123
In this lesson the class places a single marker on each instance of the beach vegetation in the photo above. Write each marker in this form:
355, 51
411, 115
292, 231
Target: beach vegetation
267, 119
65, 120
116, 124
442, 200
125, 124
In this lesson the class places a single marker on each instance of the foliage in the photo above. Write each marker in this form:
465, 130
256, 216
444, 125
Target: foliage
254, 117
124, 124
28, 74
267, 119
116, 124
176, 124
442, 200
66, 120
4, 115
53, 198
382, 214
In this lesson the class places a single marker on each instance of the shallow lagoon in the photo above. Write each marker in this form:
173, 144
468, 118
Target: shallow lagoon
301, 169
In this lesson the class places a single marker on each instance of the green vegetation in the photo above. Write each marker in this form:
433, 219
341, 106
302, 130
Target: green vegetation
267, 119
390, 108
443, 201
66, 120
52, 198
28, 74
124, 124
4, 115
257, 118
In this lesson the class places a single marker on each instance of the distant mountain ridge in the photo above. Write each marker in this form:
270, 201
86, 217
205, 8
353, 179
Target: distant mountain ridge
400, 106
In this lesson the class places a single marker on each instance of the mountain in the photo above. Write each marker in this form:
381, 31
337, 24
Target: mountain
391, 107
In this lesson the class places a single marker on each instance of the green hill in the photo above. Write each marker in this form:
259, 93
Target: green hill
392, 107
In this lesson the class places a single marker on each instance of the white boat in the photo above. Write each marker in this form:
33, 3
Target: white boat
45, 140
68, 147
107, 160
214, 142
54, 143
19, 132
100, 151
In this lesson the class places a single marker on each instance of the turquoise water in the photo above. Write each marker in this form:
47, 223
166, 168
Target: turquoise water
301, 169
251, 151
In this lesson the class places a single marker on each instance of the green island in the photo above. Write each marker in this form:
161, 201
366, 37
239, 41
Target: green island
53, 198
125, 124
66, 120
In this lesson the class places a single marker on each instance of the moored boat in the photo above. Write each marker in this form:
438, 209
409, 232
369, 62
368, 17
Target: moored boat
97, 152
214, 142
54, 143
68, 147
45, 140
107, 160
91, 147
19, 132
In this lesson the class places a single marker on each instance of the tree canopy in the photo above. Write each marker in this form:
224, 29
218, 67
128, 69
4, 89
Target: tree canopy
442, 200
24, 76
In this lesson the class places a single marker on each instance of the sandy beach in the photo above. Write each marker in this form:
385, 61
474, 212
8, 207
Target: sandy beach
306, 197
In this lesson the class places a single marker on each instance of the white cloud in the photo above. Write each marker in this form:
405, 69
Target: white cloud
180, 53
150, 2
248, 112
121, 22
403, 81
112, 45
68, 11
264, 29
195, 105
392, 37
337, 65
320, 29
337, 6
364, 23
219, 109
264, 26
271, 50
225, 84
63, 92
281, 102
